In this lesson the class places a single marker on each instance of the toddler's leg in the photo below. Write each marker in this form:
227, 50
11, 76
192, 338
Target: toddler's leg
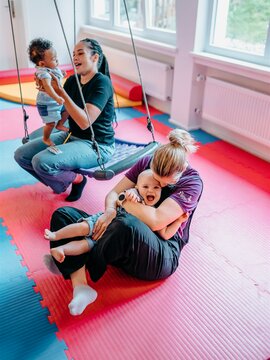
48, 128
72, 248
60, 125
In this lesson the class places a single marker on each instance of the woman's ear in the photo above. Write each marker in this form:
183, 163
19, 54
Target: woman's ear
95, 58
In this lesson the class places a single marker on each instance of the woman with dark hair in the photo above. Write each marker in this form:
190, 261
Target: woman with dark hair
57, 169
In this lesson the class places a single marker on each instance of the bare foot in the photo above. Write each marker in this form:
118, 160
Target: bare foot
58, 253
48, 142
49, 235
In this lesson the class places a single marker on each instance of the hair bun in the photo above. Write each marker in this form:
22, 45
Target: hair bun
182, 138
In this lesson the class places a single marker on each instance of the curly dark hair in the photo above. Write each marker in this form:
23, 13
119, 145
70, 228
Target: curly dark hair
37, 48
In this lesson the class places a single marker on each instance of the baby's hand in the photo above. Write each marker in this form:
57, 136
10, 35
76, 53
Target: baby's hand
133, 195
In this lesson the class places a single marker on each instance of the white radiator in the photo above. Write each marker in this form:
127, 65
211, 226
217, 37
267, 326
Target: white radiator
157, 77
239, 109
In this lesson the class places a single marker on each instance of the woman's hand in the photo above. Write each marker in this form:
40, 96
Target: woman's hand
103, 222
56, 84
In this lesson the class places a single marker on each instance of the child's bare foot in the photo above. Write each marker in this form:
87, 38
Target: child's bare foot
48, 142
62, 128
49, 235
58, 253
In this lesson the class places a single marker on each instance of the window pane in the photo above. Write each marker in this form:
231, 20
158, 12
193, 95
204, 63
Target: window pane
242, 25
161, 15
135, 14
101, 9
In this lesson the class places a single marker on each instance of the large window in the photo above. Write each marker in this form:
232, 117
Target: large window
240, 29
150, 19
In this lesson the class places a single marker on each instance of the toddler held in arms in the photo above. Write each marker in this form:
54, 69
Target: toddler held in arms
49, 104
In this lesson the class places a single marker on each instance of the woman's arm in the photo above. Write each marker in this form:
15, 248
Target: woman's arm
155, 218
110, 207
78, 115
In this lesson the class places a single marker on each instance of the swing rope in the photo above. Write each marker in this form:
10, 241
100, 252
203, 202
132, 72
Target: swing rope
94, 142
25, 115
150, 126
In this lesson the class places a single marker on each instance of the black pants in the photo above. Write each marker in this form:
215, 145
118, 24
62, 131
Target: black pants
127, 243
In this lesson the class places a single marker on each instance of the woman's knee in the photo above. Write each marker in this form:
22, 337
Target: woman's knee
18, 155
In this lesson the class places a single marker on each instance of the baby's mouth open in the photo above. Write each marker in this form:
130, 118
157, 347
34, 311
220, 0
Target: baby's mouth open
150, 198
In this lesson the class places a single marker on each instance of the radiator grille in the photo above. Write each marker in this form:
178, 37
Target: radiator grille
238, 109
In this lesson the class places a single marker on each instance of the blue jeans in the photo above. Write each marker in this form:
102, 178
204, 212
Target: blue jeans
57, 171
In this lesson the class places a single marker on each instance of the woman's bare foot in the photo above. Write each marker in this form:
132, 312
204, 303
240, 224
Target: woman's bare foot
58, 253
49, 235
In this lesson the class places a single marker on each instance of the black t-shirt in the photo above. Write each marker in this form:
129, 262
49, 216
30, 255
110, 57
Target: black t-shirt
99, 92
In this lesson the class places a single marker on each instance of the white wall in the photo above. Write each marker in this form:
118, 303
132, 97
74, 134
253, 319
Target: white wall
38, 18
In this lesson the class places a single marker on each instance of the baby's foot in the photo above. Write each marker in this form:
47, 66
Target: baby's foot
58, 254
83, 295
49, 235
50, 264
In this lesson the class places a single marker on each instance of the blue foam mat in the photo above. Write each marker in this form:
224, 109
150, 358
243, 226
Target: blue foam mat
7, 105
25, 331
11, 174
128, 113
200, 135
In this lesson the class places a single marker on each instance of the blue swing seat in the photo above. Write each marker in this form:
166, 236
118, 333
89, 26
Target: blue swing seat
126, 154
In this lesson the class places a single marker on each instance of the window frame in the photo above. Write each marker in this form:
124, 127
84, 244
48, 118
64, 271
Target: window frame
231, 53
161, 36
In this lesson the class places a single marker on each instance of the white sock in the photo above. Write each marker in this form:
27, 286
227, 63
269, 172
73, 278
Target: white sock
50, 264
83, 295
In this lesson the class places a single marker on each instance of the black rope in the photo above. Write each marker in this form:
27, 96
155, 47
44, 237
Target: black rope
150, 126
25, 116
95, 144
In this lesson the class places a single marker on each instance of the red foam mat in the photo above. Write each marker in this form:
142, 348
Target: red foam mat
238, 162
206, 310
26, 74
216, 305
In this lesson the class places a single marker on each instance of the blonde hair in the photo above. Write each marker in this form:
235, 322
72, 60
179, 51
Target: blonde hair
171, 158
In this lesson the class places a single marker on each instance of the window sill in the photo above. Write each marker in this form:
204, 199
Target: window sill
249, 70
124, 38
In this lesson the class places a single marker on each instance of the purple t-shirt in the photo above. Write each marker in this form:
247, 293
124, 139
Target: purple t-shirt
186, 192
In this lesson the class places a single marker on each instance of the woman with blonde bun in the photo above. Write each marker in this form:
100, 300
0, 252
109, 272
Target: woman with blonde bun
128, 237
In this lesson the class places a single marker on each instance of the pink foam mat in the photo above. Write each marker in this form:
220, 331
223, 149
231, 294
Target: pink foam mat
207, 309
12, 122
216, 305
